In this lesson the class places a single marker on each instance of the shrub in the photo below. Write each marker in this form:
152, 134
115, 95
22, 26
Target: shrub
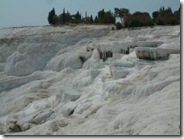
119, 26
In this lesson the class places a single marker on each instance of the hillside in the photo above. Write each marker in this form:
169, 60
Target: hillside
90, 80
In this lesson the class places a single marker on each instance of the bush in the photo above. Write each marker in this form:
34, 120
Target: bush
119, 26
113, 28
167, 17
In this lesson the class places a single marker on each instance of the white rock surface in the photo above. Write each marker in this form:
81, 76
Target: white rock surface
49, 90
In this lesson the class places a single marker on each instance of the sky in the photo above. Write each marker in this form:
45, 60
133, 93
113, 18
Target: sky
16, 13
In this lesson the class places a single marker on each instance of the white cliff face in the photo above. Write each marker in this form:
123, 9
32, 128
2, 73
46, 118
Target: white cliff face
54, 82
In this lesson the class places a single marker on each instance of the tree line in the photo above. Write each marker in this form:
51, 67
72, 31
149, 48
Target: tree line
163, 16
103, 17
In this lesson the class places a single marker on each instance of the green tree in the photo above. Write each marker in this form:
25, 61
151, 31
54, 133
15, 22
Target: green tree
86, 18
60, 18
155, 14
162, 9
52, 17
167, 17
106, 17
120, 12
168, 10
101, 15
91, 19
177, 15
77, 18
68, 17
64, 16
55, 19
96, 20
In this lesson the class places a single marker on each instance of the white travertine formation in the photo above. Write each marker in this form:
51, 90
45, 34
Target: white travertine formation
53, 81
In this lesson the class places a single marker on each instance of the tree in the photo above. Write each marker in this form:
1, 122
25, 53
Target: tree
116, 12
177, 15
60, 19
52, 17
155, 14
86, 19
106, 17
96, 20
55, 19
162, 9
68, 17
168, 10
164, 16
167, 17
64, 16
77, 18
109, 18
101, 15
121, 12
91, 19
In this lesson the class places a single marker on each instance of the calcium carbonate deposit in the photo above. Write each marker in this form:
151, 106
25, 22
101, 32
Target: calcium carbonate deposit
90, 80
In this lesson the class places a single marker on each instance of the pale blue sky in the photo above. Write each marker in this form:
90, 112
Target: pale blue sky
15, 13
